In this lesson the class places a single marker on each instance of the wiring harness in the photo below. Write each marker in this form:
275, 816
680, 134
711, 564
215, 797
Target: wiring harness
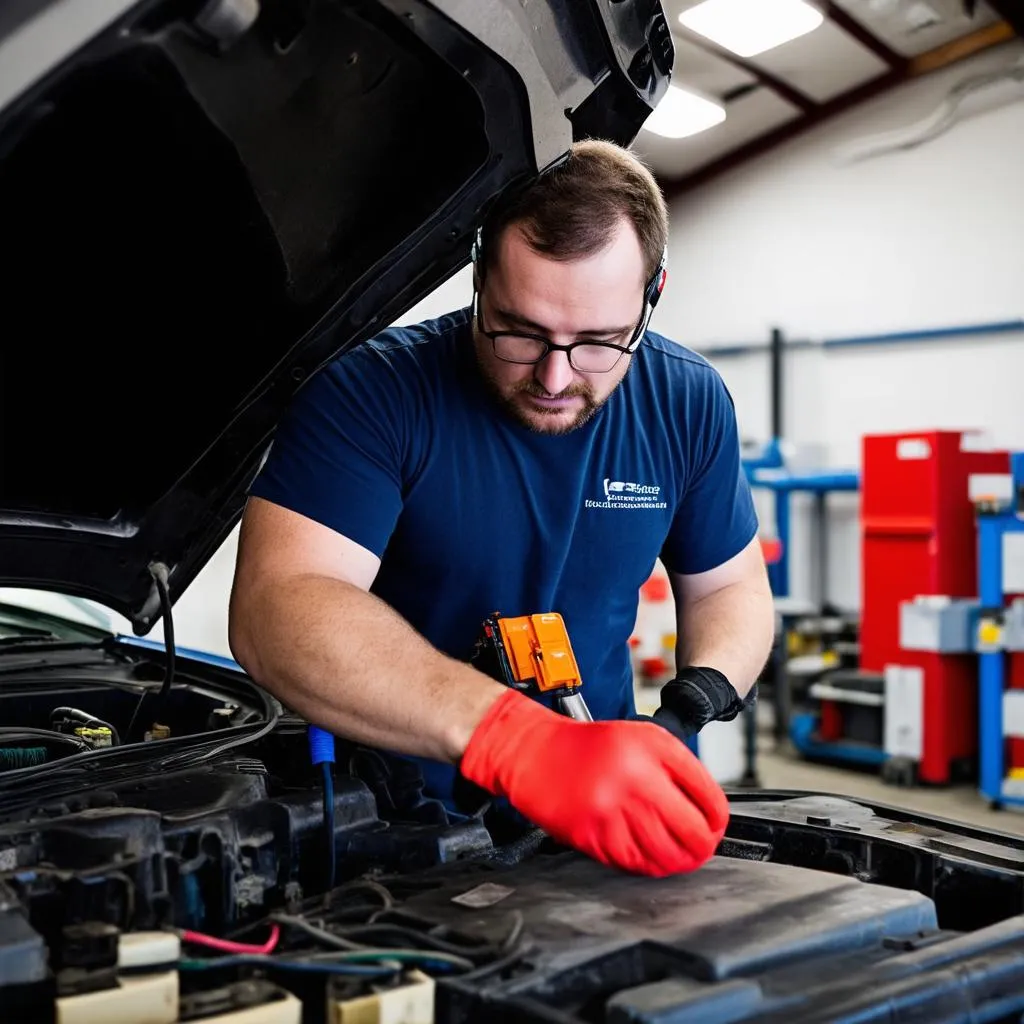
360, 934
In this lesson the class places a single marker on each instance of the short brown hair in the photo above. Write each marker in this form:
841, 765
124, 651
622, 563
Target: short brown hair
570, 211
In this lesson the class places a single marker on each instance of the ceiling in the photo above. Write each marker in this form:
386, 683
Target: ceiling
863, 48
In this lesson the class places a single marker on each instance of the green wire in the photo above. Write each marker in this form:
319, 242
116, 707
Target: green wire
273, 962
352, 951
326, 961
404, 956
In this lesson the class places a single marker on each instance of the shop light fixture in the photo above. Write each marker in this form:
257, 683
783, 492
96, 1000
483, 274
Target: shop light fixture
750, 27
682, 113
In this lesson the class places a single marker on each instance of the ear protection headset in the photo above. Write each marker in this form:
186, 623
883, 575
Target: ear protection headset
655, 286
652, 291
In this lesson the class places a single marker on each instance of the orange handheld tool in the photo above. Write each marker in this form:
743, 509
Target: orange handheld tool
533, 653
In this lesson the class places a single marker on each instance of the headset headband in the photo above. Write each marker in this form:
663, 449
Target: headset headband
655, 286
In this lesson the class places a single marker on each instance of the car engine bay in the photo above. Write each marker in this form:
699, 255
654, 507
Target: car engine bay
188, 875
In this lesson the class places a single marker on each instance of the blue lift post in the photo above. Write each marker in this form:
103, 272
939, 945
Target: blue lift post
992, 527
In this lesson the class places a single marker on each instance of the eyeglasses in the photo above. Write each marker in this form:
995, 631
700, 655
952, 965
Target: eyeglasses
524, 348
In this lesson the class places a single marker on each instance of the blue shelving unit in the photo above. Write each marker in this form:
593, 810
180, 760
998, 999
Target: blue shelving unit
801, 732
992, 528
768, 471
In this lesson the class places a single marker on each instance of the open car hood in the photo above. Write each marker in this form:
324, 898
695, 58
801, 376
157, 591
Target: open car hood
203, 203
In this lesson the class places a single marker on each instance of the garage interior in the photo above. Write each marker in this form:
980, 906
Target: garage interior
844, 182
845, 250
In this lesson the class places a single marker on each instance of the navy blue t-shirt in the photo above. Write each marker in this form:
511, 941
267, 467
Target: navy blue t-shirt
399, 446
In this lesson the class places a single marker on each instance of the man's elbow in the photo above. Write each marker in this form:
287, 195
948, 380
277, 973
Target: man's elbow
767, 633
766, 613
243, 636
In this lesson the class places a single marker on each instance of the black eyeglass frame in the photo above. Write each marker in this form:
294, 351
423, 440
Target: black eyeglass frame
550, 346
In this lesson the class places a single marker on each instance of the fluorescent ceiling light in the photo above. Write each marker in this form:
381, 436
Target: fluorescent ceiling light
749, 27
681, 113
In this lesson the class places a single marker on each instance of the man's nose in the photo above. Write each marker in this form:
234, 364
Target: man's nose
554, 372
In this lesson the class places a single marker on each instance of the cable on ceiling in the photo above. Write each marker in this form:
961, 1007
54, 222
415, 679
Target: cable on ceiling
968, 98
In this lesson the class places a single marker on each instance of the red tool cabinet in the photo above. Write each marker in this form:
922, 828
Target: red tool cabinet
919, 536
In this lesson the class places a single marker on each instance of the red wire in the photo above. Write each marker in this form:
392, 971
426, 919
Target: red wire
227, 946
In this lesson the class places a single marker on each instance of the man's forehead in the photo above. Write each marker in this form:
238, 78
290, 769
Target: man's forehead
621, 236
618, 263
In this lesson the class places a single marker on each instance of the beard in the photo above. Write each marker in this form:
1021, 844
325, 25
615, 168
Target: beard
537, 419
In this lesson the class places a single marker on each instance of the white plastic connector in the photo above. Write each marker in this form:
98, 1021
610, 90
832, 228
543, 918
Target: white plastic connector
412, 1003
151, 999
137, 950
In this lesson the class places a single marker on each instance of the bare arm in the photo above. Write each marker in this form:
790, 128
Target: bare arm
304, 626
726, 618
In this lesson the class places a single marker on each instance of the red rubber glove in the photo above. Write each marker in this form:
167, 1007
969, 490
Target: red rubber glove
628, 794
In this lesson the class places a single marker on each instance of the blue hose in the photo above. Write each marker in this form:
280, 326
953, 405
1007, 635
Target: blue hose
321, 745
321, 751
329, 822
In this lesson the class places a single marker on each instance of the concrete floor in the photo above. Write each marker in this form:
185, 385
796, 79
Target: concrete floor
784, 769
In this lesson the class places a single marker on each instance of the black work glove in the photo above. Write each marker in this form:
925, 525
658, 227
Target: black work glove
667, 721
697, 696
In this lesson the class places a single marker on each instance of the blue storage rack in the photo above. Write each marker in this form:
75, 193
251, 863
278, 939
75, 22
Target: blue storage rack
992, 527
768, 471
801, 733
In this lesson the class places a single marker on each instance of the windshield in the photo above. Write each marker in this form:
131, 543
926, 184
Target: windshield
28, 613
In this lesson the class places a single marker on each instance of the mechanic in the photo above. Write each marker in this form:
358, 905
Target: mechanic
537, 451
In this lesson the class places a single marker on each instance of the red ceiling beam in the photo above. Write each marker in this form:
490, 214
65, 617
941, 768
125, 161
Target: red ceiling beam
790, 93
797, 126
867, 39
799, 99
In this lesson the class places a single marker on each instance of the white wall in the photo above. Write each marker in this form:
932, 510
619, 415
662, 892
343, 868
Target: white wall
926, 236
455, 293
929, 237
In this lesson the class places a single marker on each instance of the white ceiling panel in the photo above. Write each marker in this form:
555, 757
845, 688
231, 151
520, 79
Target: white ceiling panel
748, 117
911, 27
822, 64
703, 71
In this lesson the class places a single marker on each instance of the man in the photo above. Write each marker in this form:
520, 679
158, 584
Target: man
536, 453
